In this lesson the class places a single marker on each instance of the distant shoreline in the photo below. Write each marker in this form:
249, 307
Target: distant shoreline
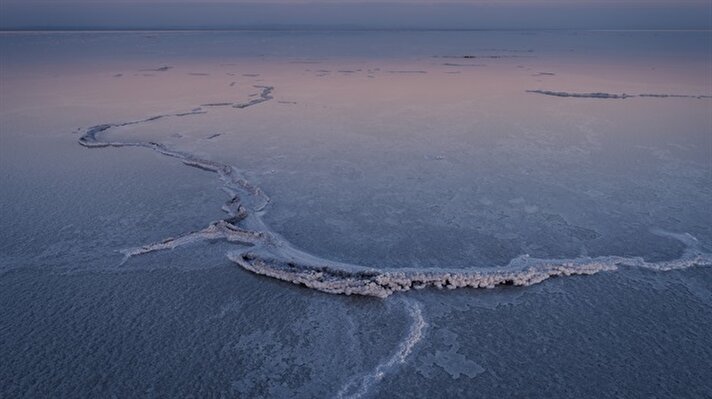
326, 29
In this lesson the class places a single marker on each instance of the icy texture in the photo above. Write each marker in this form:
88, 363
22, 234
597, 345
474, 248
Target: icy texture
396, 166
522, 271
359, 386
276, 258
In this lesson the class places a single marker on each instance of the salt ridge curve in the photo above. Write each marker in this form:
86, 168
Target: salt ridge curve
268, 254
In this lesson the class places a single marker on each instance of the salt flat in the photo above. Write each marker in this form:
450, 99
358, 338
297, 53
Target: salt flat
384, 160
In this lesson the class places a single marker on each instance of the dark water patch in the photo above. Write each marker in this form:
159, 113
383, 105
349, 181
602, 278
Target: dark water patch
602, 95
159, 69
454, 64
416, 72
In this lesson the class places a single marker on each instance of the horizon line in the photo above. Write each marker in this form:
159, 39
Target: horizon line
307, 28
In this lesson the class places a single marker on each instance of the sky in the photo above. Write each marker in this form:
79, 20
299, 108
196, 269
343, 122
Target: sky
369, 14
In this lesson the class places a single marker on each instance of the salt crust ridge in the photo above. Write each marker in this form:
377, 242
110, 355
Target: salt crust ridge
268, 254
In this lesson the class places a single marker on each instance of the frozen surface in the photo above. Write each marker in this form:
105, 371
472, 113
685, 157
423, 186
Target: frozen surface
360, 163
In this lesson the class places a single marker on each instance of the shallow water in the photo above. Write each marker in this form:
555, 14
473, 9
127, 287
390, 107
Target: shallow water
417, 158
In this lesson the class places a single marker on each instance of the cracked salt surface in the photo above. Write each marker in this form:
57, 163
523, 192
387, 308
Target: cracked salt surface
375, 202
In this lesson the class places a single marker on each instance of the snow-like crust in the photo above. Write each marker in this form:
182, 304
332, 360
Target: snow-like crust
288, 264
359, 385
270, 255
